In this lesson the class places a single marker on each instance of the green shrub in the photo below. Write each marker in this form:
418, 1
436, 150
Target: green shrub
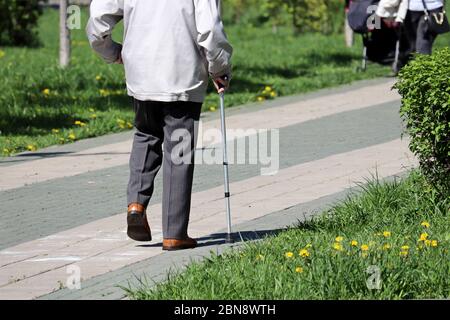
307, 16
325, 16
425, 88
18, 18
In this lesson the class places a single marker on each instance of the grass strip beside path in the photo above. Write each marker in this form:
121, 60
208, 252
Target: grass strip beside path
398, 230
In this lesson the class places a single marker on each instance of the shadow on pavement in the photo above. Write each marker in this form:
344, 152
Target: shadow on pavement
220, 238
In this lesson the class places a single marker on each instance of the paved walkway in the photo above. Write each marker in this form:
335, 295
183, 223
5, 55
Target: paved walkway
64, 206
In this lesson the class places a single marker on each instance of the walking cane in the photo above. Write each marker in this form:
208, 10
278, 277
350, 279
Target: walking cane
228, 238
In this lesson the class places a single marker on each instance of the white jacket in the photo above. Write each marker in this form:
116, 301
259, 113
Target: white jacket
393, 9
169, 46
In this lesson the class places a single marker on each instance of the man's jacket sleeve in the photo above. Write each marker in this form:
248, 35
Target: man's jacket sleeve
104, 15
212, 38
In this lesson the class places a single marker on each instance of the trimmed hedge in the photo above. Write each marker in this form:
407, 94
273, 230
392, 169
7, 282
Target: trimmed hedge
425, 88
18, 19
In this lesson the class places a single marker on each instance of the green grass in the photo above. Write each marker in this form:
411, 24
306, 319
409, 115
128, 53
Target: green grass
385, 217
31, 119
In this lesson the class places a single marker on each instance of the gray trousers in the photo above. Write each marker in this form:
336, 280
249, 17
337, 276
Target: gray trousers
172, 125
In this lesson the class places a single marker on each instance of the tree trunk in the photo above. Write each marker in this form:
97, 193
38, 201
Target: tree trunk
64, 35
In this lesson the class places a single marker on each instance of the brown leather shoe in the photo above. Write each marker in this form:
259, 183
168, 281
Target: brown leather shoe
175, 244
138, 228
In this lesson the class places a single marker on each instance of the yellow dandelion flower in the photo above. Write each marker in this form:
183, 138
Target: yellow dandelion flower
212, 108
72, 136
289, 254
273, 94
423, 236
55, 130
268, 88
387, 246
31, 147
339, 239
259, 257
46, 92
98, 78
338, 246
386, 234
365, 247
354, 243
260, 99
434, 243
427, 242
129, 125
304, 253
403, 253
299, 270
405, 248
425, 224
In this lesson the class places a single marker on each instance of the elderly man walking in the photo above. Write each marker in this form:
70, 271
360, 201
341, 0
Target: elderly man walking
415, 15
169, 50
